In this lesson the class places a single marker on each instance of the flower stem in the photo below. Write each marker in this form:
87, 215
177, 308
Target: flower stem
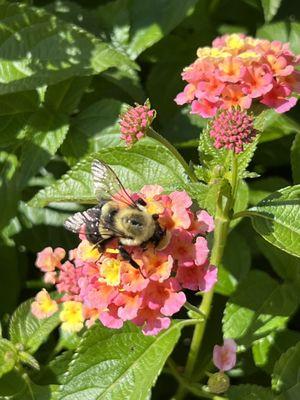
222, 221
154, 135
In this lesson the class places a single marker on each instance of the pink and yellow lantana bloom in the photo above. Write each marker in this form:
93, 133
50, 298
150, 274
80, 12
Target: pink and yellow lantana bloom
239, 70
102, 286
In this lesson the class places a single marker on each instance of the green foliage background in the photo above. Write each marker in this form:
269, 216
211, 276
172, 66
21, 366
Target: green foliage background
67, 70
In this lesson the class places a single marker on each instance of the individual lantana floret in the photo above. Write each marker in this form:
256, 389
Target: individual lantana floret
232, 129
224, 357
103, 286
135, 121
239, 71
72, 316
43, 306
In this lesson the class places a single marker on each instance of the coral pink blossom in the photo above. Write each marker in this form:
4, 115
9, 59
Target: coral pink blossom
47, 260
197, 277
237, 71
232, 129
224, 357
105, 287
134, 123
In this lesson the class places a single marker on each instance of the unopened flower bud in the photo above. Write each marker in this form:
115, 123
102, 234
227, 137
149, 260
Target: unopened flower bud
135, 121
218, 383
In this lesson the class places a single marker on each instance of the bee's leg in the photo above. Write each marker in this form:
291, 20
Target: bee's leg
127, 257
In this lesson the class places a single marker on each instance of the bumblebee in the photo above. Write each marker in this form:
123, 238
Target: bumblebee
117, 216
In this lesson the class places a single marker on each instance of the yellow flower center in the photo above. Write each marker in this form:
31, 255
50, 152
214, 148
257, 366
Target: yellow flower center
110, 272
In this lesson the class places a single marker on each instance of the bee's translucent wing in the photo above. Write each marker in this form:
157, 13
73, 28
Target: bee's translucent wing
107, 185
78, 222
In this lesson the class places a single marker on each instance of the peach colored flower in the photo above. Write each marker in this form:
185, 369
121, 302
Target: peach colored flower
43, 306
48, 259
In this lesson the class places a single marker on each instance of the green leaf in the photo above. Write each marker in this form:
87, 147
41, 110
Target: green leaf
274, 31
241, 201
8, 356
9, 190
277, 219
112, 363
294, 37
259, 306
249, 392
9, 279
26, 329
286, 374
136, 167
95, 128
133, 26
261, 188
268, 350
285, 265
44, 135
38, 49
295, 159
235, 264
41, 227
270, 8
65, 96
277, 125
25, 390
25, 102
12, 129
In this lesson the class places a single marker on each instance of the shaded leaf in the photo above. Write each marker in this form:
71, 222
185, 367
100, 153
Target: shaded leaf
133, 26
8, 356
235, 264
261, 188
286, 374
249, 392
9, 279
259, 306
94, 129
268, 350
295, 159
65, 96
44, 135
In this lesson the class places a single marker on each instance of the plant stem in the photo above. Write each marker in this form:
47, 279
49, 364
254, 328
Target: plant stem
152, 133
222, 221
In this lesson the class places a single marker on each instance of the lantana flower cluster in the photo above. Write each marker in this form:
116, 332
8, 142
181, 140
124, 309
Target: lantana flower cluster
239, 70
102, 286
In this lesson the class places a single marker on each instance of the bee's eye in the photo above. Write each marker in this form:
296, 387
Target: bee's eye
141, 202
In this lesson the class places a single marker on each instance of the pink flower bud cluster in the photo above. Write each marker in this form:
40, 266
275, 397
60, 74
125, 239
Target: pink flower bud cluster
134, 123
239, 70
110, 289
232, 129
